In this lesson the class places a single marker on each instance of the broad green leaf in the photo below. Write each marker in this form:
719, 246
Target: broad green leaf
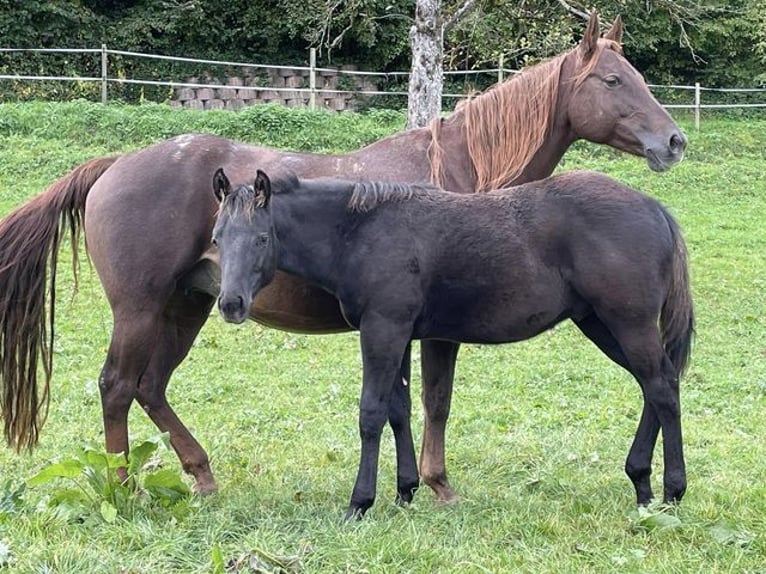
140, 454
69, 496
64, 469
108, 512
216, 557
728, 534
166, 484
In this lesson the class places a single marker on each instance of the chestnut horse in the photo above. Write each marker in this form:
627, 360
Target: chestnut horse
160, 272
413, 262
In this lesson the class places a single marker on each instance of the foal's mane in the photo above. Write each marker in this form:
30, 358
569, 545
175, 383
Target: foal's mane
368, 195
506, 125
245, 199
242, 199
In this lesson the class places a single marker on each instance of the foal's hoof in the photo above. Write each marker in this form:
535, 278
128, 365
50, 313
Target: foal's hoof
405, 496
353, 514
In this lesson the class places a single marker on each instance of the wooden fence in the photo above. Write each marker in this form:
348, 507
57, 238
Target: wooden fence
338, 89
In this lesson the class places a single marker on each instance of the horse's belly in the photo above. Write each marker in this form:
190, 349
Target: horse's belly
291, 304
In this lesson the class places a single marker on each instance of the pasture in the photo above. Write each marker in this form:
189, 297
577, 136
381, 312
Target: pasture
538, 433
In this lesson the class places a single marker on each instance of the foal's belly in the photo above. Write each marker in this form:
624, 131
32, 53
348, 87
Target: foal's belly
491, 321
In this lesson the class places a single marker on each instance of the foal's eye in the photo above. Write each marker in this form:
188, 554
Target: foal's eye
612, 81
262, 241
214, 241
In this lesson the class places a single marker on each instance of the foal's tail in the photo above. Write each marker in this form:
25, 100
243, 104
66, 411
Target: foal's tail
29, 241
677, 315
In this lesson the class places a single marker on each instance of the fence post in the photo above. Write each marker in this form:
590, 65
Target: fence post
500, 69
697, 98
103, 73
312, 79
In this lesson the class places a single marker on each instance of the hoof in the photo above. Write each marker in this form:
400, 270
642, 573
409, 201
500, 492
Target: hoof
353, 515
205, 488
405, 496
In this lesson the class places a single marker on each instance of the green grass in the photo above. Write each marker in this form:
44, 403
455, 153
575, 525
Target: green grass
537, 437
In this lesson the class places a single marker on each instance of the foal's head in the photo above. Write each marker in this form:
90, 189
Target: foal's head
244, 235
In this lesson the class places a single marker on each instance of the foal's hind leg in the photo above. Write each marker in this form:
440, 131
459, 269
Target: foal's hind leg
643, 351
638, 465
399, 417
438, 371
178, 326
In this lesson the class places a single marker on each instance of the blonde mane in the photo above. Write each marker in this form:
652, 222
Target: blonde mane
506, 125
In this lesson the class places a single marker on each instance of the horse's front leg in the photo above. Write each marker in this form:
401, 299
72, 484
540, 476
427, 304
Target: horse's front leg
399, 417
438, 371
383, 344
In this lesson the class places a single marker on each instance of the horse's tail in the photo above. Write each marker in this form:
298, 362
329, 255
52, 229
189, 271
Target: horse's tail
29, 240
677, 315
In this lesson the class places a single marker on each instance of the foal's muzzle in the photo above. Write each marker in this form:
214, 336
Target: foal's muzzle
233, 308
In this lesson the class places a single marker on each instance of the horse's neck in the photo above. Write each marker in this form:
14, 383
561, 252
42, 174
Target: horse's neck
306, 227
456, 160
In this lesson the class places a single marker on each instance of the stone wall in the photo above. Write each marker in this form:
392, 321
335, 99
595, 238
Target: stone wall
279, 85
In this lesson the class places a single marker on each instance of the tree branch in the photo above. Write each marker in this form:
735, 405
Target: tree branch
461, 12
573, 10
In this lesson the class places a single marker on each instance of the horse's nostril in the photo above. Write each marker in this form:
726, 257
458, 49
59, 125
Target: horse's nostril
677, 142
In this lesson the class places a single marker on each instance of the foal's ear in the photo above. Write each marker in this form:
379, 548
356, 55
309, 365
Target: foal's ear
262, 189
221, 185
590, 38
615, 32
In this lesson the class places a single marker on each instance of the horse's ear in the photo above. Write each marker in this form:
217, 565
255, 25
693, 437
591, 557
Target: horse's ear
590, 39
615, 32
221, 185
262, 188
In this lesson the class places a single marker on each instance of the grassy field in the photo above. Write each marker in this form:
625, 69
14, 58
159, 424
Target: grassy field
539, 430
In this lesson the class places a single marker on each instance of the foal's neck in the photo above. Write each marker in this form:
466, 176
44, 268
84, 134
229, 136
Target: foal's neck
308, 224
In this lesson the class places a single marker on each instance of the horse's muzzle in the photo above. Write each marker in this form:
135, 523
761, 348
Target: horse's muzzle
666, 154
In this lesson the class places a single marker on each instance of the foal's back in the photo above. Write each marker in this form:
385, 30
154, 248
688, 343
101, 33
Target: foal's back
509, 264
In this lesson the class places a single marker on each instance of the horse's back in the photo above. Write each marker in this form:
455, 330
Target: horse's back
148, 218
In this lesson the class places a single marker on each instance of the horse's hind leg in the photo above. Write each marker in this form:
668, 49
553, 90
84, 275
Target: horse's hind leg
638, 465
178, 326
642, 347
132, 344
438, 371
399, 417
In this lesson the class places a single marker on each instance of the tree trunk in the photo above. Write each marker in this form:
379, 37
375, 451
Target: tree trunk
427, 76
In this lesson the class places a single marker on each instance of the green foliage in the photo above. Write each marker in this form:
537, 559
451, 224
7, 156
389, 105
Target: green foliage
91, 487
672, 41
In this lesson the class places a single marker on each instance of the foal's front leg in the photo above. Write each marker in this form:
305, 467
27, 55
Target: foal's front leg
383, 344
399, 417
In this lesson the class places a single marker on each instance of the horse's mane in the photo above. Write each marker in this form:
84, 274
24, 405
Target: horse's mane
367, 195
506, 125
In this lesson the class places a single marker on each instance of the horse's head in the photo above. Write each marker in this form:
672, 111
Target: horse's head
610, 102
244, 235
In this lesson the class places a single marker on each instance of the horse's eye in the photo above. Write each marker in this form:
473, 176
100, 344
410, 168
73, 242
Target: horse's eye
612, 81
262, 240
214, 241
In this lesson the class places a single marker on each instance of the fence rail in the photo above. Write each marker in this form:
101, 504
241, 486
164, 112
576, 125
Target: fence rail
313, 71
